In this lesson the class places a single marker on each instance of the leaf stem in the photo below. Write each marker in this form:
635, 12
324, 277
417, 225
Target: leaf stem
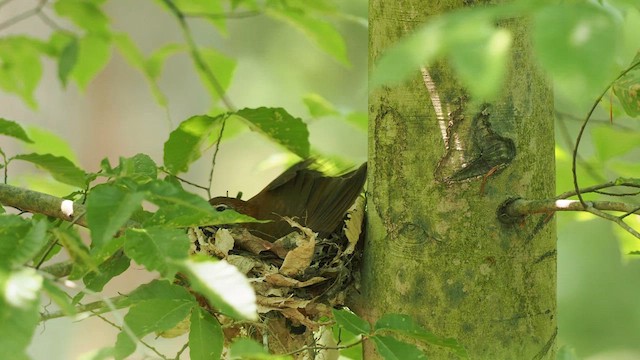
195, 53
584, 126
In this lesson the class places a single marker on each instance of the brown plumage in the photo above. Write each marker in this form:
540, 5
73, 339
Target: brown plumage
316, 201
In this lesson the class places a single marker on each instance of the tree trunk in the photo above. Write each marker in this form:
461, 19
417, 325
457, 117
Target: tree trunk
441, 164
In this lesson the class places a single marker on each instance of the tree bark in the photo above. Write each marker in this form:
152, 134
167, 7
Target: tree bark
441, 164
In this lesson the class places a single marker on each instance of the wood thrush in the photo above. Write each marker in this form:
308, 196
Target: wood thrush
312, 199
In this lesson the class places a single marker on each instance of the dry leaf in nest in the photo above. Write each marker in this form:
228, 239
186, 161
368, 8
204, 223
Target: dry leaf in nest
299, 259
224, 241
285, 281
243, 263
218, 246
353, 224
299, 276
249, 242
180, 329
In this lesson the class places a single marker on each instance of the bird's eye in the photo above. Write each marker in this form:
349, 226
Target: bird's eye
221, 207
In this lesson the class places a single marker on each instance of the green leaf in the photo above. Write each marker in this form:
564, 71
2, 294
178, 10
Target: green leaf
109, 207
576, 43
179, 208
129, 50
156, 60
139, 168
58, 296
58, 41
627, 90
279, 126
391, 349
323, 33
21, 69
46, 142
150, 68
245, 348
352, 322
479, 52
610, 142
67, 61
409, 54
77, 250
13, 129
157, 248
20, 240
318, 106
151, 316
634, 181
358, 119
567, 353
19, 301
160, 290
61, 168
93, 55
226, 288
107, 270
352, 343
222, 68
185, 143
205, 336
85, 14
203, 8
405, 325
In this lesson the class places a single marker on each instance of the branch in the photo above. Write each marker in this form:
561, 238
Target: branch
597, 188
23, 16
195, 53
584, 126
228, 15
96, 307
41, 203
513, 210
59, 208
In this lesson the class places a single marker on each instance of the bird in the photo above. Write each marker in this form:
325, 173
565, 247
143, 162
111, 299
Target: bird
314, 200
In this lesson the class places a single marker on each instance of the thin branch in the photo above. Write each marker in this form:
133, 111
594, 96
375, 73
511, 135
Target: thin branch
103, 318
522, 207
565, 134
569, 116
584, 126
518, 208
597, 188
179, 353
96, 307
195, 53
185, 180
47, 20
5, 164
228, 15
5, 2
23, 16
634, 211
615, 219
322, 347
215, 155
607, 193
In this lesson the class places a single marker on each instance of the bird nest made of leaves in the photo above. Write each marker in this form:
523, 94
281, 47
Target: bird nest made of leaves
300, 276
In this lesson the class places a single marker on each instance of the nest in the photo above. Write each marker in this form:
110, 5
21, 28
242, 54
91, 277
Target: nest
298, 278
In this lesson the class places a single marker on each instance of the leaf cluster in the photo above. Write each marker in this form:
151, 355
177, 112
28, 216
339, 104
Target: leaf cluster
581, 45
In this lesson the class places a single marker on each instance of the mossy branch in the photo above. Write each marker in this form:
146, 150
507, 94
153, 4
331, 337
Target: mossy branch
41, 203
